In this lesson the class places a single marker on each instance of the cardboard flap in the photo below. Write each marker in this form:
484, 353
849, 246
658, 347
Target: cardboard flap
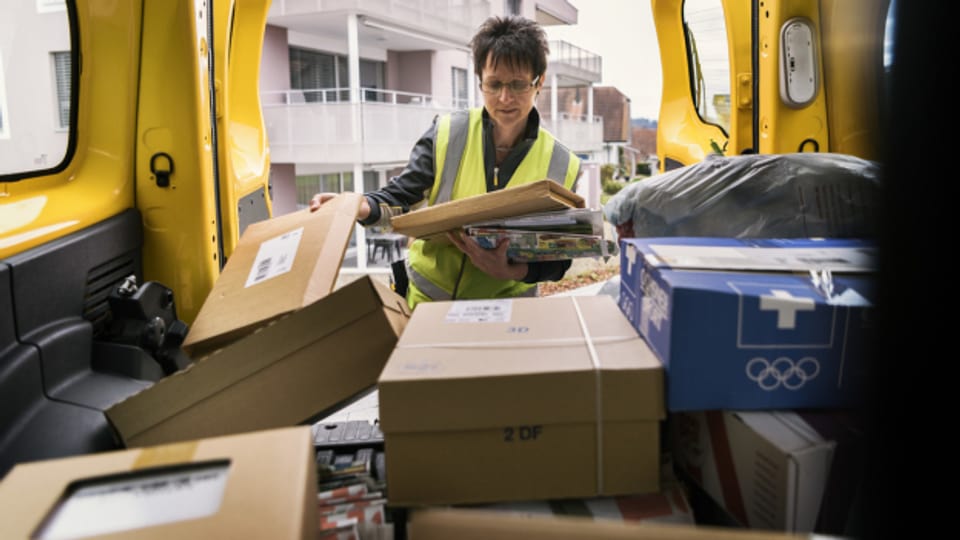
531, 362
279, 265
389, 298
173, 394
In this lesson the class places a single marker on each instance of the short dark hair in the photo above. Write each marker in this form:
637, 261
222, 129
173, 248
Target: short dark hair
517, 41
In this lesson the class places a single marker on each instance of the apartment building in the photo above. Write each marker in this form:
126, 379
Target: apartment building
348, 86
608, 106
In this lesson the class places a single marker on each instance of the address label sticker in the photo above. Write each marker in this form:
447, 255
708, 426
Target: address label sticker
275, 257
475, 311
111, 506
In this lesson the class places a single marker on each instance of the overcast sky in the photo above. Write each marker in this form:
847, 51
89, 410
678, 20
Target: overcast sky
622, 32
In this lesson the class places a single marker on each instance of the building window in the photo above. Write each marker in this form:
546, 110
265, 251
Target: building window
61, 71
325, 77
459, 93
313, 72
371, 181
309, 185
512, 7
372, 76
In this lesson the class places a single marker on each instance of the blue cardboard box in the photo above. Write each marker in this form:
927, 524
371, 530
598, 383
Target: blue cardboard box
753, 323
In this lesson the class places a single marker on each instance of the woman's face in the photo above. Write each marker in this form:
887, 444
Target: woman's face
508, 93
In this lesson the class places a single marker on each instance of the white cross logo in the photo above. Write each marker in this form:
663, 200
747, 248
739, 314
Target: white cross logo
786, 305
631, 255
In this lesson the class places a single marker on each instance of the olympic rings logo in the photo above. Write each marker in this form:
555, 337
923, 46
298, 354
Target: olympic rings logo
782, 371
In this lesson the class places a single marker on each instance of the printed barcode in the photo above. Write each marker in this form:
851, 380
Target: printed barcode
262, 269
482, 308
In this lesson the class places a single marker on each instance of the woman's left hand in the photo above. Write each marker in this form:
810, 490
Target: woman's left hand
492, 262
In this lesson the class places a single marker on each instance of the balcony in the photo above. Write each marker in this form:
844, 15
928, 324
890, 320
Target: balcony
572, 65
323, 126
576, 132
555, 12
445, 20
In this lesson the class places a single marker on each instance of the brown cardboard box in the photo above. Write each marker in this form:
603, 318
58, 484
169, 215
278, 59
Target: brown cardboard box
541, 196
443, 523
286, 373
279, 265
498, 400
255, 485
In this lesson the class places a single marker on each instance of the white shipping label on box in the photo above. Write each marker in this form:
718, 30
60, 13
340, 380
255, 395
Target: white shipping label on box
113, 505
275, 257
475, 311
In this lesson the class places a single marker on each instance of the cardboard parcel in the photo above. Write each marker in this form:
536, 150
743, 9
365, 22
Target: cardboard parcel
279, 265
254, 485
290, 372
307, 352
520, 399
754, 323
430, 222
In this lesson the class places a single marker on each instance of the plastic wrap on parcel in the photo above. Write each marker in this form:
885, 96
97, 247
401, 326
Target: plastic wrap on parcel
785, 195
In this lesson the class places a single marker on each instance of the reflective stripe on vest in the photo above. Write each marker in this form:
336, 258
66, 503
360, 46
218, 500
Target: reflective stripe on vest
425, 285
459, 125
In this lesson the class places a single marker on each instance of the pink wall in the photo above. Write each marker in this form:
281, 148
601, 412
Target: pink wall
284, 188
275, 66
275, 75
412, 71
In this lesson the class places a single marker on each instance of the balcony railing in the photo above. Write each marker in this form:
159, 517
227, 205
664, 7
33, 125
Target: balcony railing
324, 126
341, 95
560, 10
575, 62
575, 131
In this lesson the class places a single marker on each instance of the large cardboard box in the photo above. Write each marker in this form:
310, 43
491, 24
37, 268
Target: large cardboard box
783, 470
520, 399
255, 485
464, 524
753, 324
291, 371
432, 221
279, 265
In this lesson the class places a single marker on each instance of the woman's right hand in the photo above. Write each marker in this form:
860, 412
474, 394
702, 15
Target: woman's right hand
317, 201
320, 199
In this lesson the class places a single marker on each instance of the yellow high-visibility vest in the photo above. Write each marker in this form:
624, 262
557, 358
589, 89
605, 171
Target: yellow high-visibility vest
438, 270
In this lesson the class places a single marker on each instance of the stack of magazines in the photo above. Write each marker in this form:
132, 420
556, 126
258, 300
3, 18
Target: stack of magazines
351, 495
547, 236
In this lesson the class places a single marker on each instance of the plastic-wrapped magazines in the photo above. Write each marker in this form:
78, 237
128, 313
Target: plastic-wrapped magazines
797, 195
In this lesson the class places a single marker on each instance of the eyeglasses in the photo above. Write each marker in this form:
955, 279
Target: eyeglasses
515, 87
